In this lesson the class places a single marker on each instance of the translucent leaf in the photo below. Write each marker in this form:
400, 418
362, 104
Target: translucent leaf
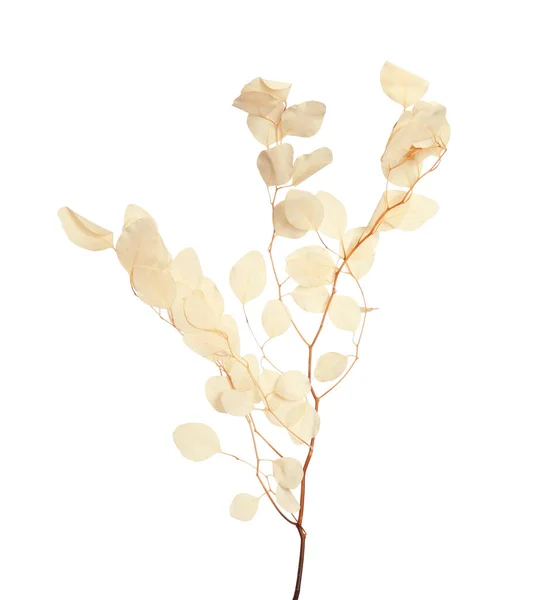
263, 130
153, 286
211, 295
215, 386
408, 216
282, 226
241, 377
275, 318
288, 473
307, 427
334, 222
311, 299
362, 259
185, 268
196, 441
310, 266
303, 120
344, 313
308, 164
331, 365
278, 89
140, 245
84, 233
244, 507
133, 213
276, 164
293, 385
209, 344
260, 104
229, 326
287, 500
249, 276
199, 313
303, 210
237, 404
402, 86
267, 381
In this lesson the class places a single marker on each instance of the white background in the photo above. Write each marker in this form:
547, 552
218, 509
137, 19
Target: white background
431, 476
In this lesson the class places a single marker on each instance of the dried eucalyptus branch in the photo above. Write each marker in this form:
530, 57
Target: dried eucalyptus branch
182, 296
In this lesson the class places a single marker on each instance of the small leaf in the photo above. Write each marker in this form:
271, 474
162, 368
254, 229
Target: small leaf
276, 164
249, 276
282, 226
303, 120
288, 472
215, 386
303, 210
244, 507
330, 366
236, 403
344, 313
402, 86
293, 385
311, 299
185, 268
196, 441
84, 233
335, 217
286, 500
309, 164
275, 318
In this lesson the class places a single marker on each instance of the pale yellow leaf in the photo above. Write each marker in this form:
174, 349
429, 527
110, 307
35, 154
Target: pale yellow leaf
309, 164
287, 500
275, 318
244, 507
310, 266
84, 233
282, 226
249, 276
344, 313
267, 381
284, 413
410, 215
303, 210
260, 104
330, 366
303, 120
288, 472
140, 245
196, 441
199, 313
155, 287
402, 86
362, 257
278, 89
307, 427
215, 386
211, 295
133, 213
293, 385
236, 403
335, 217
263, 130
276, 164
311, 299
209, 344
185, 268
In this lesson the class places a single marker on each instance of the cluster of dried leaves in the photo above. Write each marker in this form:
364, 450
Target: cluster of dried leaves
182, 295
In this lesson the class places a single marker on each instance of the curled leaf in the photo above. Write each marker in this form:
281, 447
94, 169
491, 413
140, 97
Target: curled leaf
84, 233
249, 276
196, 441
288, 472
330, 366
275, 318
278, 89
276, 164
344, 313
260, 104
309, 164
402, 86
244, 507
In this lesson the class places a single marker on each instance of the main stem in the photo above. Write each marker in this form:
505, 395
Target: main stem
303, 536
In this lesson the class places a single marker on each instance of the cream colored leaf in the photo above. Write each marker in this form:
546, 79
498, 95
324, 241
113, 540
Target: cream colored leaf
244, 507
263, 130
288, 473
303, 210
331, 365
155, 287
199, 313
293, 385
310, 266
133, 213
410, 215
211, 295
276, 164
309, 164
185, 268
215, 386
287, 500
209, 344
334, 222
260, 104
402, 86
275, 318
267, 381
303, 120
229, 326
236, 403
311, 299
278, 89
249, 276
284, 413
241, 377
362, 258
307, 427
140, 245
84, 233
282, 226
196, 441
344, 313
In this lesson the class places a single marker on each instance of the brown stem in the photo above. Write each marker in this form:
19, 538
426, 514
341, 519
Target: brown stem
303, 537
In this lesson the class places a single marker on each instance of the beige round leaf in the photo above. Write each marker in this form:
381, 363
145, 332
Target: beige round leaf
209, 344
278, 89
276, 164
153, 286
402, 86
249, 276
140, 245
344, 313
185, 268
293, 385
260, 104
196, 441
275, 318
288, 472
287, 500
362, 259
335, 217
303, 210
215, 386
244, 507
282, 226
267, 381
84, 233
307, 427
284, 413
236, 403
410, 215
311, 299
309, 164
330, 366
303, 120
199, 313
263, 130
310, 266
133, 213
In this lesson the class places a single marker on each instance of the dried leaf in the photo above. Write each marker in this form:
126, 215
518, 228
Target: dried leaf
310, 266
84, 233
155, 287
209, 344
311, 299
185, 268
249, 276
196, 441
287, 500
199, 313
309, 164
293, 385
402, 86
410, 215
284, 413
282, 226
330, 366
244, 507
260, 104
335, 217
263, 130
276, 164
215, 386
278, 89
236, 403
275, 318
211, 295
307, 427
303, 120
288, 473
133, 213
344, 313
303, 210
362, 259
140, 245
267, 381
